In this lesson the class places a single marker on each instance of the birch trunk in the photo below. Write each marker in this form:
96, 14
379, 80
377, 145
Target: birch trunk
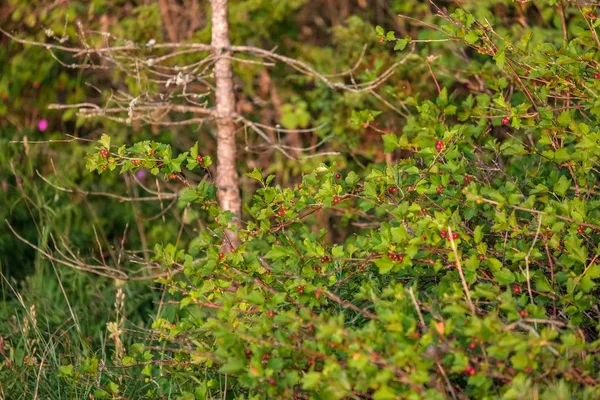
227, 176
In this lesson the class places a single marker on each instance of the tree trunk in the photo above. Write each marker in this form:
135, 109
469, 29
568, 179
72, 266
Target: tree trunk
227, 176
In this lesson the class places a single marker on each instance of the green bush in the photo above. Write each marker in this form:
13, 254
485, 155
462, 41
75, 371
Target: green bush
466, 268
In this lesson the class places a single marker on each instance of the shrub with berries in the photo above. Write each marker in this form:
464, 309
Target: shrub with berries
462, 264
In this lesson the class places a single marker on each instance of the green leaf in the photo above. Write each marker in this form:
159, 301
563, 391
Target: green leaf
478, 233
188, 195
400, 44
504, 276
574, 249
105, 141
384, 264
194, 150
311, 380
113, 387
101, 394
255, 297
385, 393
66, 371
255, 174
561, 187
564, 118
232, 366
390, 142
352, 179
472, 37
500, 58
520, 361
147, 371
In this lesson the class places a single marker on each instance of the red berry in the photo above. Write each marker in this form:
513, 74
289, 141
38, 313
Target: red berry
400, 258
199, 159
473, 346
300, 186
337, 176
410, 188
528, 370
467, 179
472, 371
336, 200
272, 381
280, 212
104, 153
221, 255
455, 236
439, 145
36, 85
523, 314
597, 75
443, 233
505, 121
173, 176
248, 352
393, 189
381, 40
516, 290
271, 314
266, 356
481, 257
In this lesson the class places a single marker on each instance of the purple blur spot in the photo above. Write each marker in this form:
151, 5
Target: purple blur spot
141, 174
4, 186
43, 125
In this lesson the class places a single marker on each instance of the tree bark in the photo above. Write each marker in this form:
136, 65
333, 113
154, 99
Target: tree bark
227, 176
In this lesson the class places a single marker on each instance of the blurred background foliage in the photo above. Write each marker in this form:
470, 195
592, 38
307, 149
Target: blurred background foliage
328, 34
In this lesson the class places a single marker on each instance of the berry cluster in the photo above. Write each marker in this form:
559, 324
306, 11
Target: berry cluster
281, 211
445, 236
395, 256
470, 370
